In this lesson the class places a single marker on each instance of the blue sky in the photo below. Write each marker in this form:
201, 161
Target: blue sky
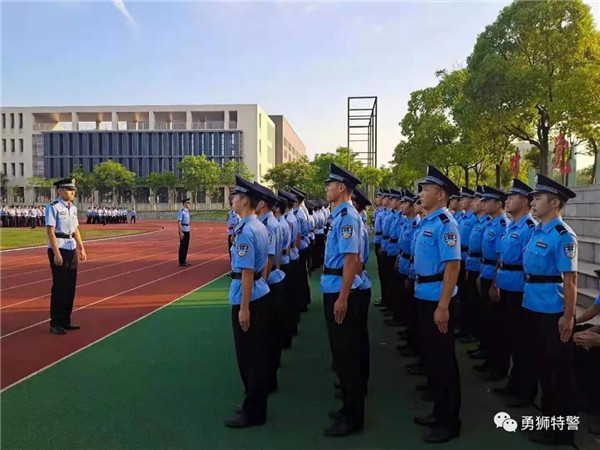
298, 59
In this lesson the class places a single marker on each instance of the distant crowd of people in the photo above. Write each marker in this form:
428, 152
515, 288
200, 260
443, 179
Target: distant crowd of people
106, 215
21, 216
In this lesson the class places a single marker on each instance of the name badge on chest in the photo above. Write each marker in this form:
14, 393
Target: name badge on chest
428, 233
541, 244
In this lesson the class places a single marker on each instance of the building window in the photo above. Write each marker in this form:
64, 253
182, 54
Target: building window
4, 145
4, 169
12, 169
20, 121
3, 120
21, 169
259, 120
21, 144
259, 147
12, 121
12, 145
222, 149
212, 144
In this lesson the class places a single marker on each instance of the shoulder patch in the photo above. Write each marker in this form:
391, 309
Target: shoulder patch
560, 229
530, 223
503, 222
241, 228
444, 218
54, 202
344, 212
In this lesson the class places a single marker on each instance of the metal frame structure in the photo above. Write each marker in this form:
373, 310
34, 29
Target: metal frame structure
362, 129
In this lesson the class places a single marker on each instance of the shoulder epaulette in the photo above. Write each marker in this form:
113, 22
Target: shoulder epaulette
444, 218
54, 202
344, 211
530, 223
503, 222
414, 224
560, 229
241, 228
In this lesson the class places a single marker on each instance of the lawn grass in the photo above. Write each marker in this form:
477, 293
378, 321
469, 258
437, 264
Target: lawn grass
26, 237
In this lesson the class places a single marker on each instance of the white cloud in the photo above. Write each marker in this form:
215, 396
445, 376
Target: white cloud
120, 5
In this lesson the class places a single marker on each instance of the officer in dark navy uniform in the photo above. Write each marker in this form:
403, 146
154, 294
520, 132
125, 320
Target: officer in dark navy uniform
64, 241
183, 225
339, 284
251, 312
437, 265
550, 294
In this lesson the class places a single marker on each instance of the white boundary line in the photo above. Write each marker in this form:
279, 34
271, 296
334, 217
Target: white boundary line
12, 333
108, 335
163, 228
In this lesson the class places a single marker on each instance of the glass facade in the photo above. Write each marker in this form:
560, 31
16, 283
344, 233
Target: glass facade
142, 152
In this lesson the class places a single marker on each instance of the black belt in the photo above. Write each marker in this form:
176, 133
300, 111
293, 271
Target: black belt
330, 271
475, 254
529, 278
378, 233
394, 241
185, 224
405, 256
386, 237
512, 267
489, 262
464, 248
429, 278
364, 267
238, 275
63, 235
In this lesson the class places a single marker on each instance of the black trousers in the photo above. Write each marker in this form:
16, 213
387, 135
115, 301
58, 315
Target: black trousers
486, 313
380, 270
184, 245
288, 307
303, 285
461, 283
365, 353
497, 334
294, 276
253, 350
64, 280
386, 269
587, 373
471, 306
133, 219
278, 329
411, 314
441, 364
346, 340
551, 361
512, 332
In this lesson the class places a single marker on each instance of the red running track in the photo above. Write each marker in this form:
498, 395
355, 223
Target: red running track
122, 280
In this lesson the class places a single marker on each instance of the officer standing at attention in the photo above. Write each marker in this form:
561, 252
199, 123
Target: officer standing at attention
301, 214
465, 221
360, 202
493, 205
251, 313
232, 221
341, 300
550, 266
437, 264
378, 217
133, 216
64, 241
295, 271
510, 283
183, 225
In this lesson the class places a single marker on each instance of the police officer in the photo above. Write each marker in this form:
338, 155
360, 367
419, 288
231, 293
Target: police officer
319, 235
466, 221
295, 272
395, 287
133, 216
288, 323
493, 205
183, 226
387, 263
437, 264
251, 312
232, 221
510, 284
301, 214
64, 240
360, 202
339, 283
384, 201
550, 266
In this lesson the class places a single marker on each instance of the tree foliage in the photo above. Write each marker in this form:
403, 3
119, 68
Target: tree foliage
230, 169
198, 173
113, 177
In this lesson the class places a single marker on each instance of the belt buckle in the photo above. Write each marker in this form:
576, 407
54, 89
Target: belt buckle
527, 277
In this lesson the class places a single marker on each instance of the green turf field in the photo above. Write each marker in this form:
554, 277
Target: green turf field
26, 237
168, 381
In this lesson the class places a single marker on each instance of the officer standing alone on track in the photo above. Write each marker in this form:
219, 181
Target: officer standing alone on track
251, 312
65, 247
183, 225
341, 300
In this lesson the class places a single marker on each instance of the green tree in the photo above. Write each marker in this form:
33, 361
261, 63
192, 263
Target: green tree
166, 179
198, 173
84, 181
230, 169
3, 184
113, 177
294, 173
523, 65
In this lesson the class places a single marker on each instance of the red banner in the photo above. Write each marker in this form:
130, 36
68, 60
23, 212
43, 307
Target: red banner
562, 154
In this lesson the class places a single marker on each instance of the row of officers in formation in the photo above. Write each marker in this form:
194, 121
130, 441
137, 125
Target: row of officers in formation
21, 216
509, 285
103, 215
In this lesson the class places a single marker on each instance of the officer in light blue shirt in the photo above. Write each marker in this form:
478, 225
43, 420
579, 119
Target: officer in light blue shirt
301, 214
466, 220
510, 283
319, 234
387, 260
384, 210
294, 271
251, 313
232, 221
360, 201
550, 266
395, 293
437, 265
289, 324
341, 299
183, 224
64, 242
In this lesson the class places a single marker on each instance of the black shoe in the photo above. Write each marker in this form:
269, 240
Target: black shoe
426, 421
427, 396
184, 264
519, 402
239, 409
545, 437
440, 434
338, 415
241, 421
409, 352
483, 367
478, 355
493, 377
378, 304
416, 371
72, 327
57, 330
340, 429
421, 387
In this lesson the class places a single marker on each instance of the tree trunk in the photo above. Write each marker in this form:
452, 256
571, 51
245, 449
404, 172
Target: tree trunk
498, 181
543, 131
595, 164
466, 169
